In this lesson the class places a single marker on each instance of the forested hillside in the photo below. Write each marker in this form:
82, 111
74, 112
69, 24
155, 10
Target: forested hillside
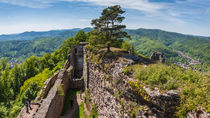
32, 35
146, 41
19, 50
24, 81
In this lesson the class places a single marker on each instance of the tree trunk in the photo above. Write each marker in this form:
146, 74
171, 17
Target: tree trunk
108, 48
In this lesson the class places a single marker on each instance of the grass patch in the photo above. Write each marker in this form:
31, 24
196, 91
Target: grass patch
71, 93
193, 86
80, 113
60, 90
94, 112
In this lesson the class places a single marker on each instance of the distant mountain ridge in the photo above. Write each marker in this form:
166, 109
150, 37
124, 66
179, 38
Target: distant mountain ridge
33, 34
19, 50
30, 35
145, 41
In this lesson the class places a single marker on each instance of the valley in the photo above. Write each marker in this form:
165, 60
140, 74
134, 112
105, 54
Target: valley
145, 41
106, 71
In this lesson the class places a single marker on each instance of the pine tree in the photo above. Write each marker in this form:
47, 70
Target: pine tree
109, 25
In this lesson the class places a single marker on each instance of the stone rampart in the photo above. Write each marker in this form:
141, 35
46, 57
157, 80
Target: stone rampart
51, 98
111, 92
52, 105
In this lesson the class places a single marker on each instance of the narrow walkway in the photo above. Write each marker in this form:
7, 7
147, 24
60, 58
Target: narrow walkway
31, 112
73, 109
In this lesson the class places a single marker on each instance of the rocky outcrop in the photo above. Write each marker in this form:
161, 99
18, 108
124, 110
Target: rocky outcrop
199, 113
111, 91
157, 56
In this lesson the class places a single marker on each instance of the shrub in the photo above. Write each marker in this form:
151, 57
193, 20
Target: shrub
193, 86
60, 90
3, 111
15, 111
94, 112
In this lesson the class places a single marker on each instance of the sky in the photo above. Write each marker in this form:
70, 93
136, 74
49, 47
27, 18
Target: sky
182, 16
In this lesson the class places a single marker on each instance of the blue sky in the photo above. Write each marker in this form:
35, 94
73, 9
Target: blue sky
183, 16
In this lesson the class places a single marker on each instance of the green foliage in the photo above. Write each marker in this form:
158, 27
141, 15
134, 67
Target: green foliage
3, 111
193, 85
133, 114
94, 112
125, 45
5, 84
122, 104
127, 71
147, 41
197, 48
14, 111
80, 36
71, 93
19, 50
108, 25
32, 91
139, 89
25, 80
60, 90
31, 87
147, 46
87, 94
195, 95
80, 113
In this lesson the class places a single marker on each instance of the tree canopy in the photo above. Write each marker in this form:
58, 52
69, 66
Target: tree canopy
109, 25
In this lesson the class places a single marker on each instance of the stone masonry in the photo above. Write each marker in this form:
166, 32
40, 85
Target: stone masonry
109, 89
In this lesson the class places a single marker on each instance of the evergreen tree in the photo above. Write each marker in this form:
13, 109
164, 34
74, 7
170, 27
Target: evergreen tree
109, 25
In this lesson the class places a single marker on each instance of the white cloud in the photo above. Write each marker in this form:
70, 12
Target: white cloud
178, 16
30, 3
142, 5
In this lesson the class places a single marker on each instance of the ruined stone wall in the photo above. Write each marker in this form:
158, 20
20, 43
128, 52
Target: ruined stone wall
86, 69
110, 90
50, 101
76, 83
52, 105
103, 95
47, 86
77, 57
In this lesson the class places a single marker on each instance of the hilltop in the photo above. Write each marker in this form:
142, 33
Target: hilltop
134, 84
30, 35
145, 41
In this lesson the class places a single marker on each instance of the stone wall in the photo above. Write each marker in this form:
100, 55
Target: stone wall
77, 57
86, 69
76, 83
111, 91
52, 105
102, 95
47, 86
50, 101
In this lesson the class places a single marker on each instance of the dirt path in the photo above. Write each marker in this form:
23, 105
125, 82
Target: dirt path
73, 109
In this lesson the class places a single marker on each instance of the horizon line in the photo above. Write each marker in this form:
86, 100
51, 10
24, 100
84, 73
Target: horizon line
92, 27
